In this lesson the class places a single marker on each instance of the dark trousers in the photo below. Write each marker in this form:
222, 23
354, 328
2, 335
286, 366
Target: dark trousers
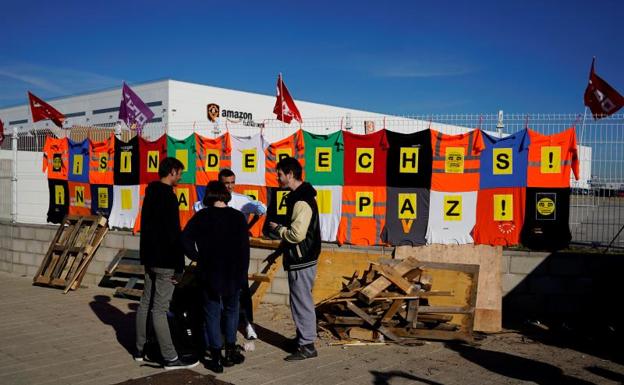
246, 306
220, 310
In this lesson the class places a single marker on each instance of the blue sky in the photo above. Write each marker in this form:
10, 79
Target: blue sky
395, 57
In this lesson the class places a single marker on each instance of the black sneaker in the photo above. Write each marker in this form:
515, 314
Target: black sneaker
303, 353
181, 363
142, 356
233, 354
138, 356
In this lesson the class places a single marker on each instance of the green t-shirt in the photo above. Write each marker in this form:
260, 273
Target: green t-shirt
324, 158
184, 151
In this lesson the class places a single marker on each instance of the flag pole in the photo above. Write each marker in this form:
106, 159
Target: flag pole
583, 126
14, 176
281, 84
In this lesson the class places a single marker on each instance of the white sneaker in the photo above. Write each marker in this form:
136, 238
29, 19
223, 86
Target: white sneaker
250, 333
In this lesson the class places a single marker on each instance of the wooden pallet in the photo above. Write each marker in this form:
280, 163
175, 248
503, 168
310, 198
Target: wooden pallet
71, 251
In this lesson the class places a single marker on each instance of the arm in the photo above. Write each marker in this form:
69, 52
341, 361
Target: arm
301, 216
189, 235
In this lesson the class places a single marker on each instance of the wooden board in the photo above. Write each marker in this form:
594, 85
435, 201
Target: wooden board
488, 313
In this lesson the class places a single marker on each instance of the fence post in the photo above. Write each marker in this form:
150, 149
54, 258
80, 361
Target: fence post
14, 176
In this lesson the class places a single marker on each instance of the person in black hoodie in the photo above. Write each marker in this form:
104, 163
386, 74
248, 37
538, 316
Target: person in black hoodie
163, 259
301, 245
217, 238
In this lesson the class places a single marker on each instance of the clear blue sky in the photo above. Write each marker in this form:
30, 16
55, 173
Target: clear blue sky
395, 57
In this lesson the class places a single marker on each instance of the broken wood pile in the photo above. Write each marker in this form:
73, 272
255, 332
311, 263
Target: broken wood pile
390, 301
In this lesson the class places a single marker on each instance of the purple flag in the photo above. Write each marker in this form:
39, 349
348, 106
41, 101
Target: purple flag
132, 109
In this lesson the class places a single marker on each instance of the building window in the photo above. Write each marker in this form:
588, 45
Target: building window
155, 120
105, 110
74, 114
18, 122
154, 104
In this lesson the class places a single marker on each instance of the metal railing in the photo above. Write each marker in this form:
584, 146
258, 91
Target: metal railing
597, 200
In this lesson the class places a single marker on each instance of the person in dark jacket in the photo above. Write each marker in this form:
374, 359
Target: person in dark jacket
301, 244
217, 238
163, 259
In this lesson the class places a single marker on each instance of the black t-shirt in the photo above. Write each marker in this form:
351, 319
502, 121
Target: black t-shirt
59, 200
409, 159
276, 210
101, 199
126, 170
546, 219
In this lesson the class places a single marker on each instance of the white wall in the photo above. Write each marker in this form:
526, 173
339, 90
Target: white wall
32, 186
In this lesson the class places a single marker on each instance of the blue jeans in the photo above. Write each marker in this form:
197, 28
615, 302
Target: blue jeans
218, 306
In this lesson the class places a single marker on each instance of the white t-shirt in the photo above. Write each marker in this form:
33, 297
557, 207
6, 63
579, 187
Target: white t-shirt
452, 216
329, 201
125, 206
242, 203
248, 159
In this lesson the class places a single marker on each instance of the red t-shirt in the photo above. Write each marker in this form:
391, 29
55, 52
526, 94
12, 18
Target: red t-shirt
150, 156
500, 216
365, 159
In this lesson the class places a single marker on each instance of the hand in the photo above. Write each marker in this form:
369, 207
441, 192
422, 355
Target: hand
273, 225
177, 277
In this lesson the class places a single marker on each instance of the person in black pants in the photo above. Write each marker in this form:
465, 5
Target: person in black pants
216, 237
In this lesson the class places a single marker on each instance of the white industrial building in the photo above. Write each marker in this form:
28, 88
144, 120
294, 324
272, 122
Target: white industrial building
180, 109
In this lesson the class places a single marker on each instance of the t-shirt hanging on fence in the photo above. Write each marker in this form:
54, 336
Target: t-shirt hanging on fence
55, 157
276, 209
257, 194
546, 219
137, 224
78, 161
329, 202
212, 156
59, 200
324, 158
291, 146
150, 156
409, 159
452, 216
79, 198
101, 199
126, 170
504, 160
365, 159
407, 215
184, 150
500, 215
455, 165
551, 157
187, 196
363, 215
248, 160
102, 161
125, 206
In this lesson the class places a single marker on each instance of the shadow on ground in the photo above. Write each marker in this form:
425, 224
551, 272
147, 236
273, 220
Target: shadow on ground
273, 338
383, 378
513, 366
122, 323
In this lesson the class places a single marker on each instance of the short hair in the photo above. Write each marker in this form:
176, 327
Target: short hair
290, 164
216, 191
169, 164
225, 173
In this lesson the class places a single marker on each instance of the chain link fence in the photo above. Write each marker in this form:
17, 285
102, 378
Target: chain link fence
597, 200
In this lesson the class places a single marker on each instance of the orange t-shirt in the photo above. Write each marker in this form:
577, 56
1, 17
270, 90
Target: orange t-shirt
212, 156
456, 161
55, 157
551, 158
292, 146
79, 198
363, 215
187, 196
137, 223
102, 161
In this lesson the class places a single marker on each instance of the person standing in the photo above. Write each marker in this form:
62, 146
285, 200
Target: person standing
216, 237
301, 245
255, 209
163, 259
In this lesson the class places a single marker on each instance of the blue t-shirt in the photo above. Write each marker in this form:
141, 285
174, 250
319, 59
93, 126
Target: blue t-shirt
78, 161
504, 160
101, 199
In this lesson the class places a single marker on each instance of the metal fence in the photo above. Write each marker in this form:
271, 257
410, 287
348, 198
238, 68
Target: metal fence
597, 200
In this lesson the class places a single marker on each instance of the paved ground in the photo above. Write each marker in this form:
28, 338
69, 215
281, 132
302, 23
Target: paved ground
82, 338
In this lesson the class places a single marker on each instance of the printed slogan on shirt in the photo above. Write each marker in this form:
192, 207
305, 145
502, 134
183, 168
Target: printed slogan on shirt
551, 160
249, 160
323, 159
324, 201
502, 161
452, 207
364, 204
365, 160
408, 160
454, 163
503, 207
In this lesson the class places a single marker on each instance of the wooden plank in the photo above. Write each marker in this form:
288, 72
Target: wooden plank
380, 284
412, 313
62, 259
432, 334
392, 310
262, 243
258, 277
116, 260
372, 322
129, 269
258, 289
125, 292
394, 277
48, 256
447, 309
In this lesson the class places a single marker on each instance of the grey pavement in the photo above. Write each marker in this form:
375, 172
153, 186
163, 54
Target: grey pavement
50, 338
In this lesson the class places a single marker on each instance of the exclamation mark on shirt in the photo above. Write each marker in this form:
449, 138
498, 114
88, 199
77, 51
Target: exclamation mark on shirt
550, 159
503, 208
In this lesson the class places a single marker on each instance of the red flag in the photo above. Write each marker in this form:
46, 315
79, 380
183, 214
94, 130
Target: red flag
1, 132
285, 107
602, 99
42, 110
